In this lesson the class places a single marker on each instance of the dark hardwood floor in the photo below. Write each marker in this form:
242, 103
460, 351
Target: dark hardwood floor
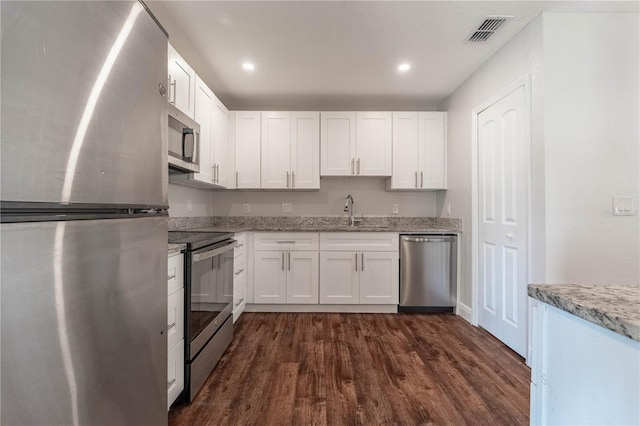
344, 369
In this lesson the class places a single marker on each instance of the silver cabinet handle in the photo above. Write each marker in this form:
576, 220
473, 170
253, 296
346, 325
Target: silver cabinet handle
173, 102
236, 178
171, 326
287, 179
421, 179
358, 165
239, 271
356, 262
171, 383
362, 262
170, 277
286, 242
293, 179
217, 173
283, 261
416, 178
213, 173
238, 245
352, 161
289, 260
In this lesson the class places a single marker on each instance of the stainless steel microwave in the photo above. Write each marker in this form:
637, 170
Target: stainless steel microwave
184, 142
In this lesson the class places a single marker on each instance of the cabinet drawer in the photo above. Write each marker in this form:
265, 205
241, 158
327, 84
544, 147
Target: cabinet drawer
175, 318
175, 273
175, 372
359, 241
286, 241
241, 244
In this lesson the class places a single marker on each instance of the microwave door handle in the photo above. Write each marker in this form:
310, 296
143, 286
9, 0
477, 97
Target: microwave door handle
215, 252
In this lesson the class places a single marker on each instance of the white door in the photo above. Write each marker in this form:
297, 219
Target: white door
220, 143
302, 277
247, 149
204, 116
405, 151
502, 252
182, 83
373, 144
432, 154
338, 143
305, 150
379, 276
276, 149
339, 277
270, 282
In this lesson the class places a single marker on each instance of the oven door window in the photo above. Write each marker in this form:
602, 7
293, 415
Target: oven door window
211, 290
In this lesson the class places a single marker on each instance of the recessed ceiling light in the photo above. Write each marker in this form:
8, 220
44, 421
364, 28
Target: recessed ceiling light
404, 67
248, 66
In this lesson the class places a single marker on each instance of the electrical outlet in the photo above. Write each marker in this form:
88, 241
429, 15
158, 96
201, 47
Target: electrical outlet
287, 208
449, 208
623, 206
189, 206
395, 209
246, 208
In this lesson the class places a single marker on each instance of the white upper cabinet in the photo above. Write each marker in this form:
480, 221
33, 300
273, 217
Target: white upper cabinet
247, 150
204, 116
338, 143
182, 83
305, 150
356, 144
220, 144
290, 150
373, 144
276, 150
419, 151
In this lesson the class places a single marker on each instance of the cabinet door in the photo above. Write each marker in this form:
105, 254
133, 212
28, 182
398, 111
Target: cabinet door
302, 277
433, 150
182, 83
339, 278
305, 150
270, 285
204, 116
175, 318
247, 150
175, 372
338, 143
379, 278
405, 151
276, 149
220, 143
373, 144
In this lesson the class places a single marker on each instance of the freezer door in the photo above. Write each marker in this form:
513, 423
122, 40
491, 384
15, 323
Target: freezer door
83, 116
83, 321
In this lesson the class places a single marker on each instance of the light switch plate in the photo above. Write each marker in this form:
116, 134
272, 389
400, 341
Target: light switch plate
189, 206
246, 208
395, 209
287, 208
623, 206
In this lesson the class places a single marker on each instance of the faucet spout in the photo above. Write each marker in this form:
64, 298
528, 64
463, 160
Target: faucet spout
348, 207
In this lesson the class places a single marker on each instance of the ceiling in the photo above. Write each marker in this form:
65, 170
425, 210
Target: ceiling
324, 55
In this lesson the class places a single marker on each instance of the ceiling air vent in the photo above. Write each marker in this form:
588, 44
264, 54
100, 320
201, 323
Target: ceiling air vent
486, 29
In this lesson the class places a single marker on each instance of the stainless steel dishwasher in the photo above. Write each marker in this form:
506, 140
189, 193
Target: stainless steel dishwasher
428, 273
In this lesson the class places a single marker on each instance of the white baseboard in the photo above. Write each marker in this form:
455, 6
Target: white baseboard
359, 309
465, 312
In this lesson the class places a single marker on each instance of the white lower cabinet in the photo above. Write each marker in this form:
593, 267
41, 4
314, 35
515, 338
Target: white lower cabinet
175, 327
239, 275
368, 278
359, 268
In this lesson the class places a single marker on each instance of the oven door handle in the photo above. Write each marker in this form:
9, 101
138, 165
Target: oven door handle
228, 246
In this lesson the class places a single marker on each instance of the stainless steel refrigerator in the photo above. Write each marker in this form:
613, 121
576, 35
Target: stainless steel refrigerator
84, 227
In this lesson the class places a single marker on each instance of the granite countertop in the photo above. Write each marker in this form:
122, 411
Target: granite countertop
320, 228
615, 307
176, 248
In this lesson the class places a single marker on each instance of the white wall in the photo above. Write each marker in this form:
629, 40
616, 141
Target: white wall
180, 196
592, 139
369, 195
522, 56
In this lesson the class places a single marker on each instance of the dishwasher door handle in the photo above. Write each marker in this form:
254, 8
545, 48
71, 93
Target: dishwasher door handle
433, 239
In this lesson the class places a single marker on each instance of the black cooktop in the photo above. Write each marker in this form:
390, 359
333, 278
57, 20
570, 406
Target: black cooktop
195, 239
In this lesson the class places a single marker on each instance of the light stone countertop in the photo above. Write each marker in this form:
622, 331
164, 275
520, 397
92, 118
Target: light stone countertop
615, 307
319, 228
176, 248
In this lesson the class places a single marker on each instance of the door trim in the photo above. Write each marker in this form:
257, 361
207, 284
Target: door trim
524, 82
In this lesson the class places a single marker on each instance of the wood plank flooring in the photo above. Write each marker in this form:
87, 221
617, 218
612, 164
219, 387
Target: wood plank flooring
361, 369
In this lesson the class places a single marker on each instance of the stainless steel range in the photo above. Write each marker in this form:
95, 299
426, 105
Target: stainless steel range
208, 303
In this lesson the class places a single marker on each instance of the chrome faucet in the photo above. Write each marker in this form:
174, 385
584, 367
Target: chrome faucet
348, 207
